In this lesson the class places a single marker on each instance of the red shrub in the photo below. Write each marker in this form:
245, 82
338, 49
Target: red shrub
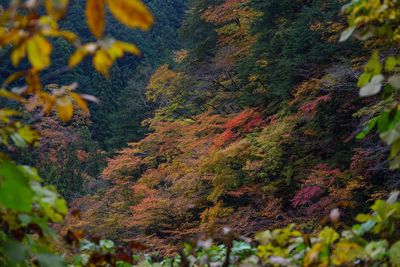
324, 204
306, 195
325, 189
256, 121
311, 107
226, 137
316, 185
245, 122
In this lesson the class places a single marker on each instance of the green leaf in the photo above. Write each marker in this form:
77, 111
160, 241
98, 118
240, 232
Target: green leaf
383, 121
24, 219
374, 64
364, 79
61, 206
376, 250
15, 252
15, 191
87, 245
328, 235
394, 163
383, 209
50, 260
390, 63
395, 148
367, 226
390, 136
368, 128
31, 173
395, 81
394, 254
363, 217
124, 264
106, 244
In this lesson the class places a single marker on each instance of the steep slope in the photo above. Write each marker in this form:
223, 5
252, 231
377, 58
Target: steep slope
254, 128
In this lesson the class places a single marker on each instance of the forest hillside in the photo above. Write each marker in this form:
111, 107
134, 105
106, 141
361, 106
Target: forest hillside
182, 133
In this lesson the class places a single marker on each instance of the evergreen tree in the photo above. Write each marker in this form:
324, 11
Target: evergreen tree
199, 36
126, 121
293, 41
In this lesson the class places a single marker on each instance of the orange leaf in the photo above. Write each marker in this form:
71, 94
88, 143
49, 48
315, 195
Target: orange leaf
132, 13
47, 101
95, 16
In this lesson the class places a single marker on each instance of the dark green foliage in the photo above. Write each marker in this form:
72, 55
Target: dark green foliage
292, 50
107, 92
197, 34
65, 174
125, 124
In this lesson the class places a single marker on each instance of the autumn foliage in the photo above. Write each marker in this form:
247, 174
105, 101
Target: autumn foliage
242, 134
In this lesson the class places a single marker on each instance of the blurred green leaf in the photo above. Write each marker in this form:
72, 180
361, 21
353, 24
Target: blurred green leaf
328, 235
50, 260
15, 252
394, 254
15, 191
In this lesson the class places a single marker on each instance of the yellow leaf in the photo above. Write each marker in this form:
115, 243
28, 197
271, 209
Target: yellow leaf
7, 94
102, 62
39, 51
29, 135
328, 235
5, 113
312, 258
127, 47
77, 57
67, 35
11, 37
64, 108
115, 51
132, 13
95, 17
46, 23
18, 54
56, 8
80, 102
345, 253
80, 54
